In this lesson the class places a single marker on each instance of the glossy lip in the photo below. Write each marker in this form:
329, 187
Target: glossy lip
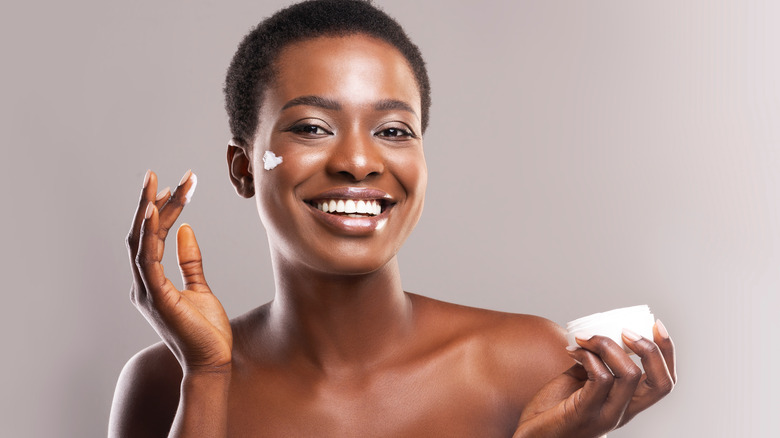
352, 225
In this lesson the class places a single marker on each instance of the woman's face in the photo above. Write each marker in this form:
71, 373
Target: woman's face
344, 115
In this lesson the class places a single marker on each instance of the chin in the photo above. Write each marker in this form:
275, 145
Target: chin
346, 259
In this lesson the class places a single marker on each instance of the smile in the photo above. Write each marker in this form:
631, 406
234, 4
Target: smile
350, 207
356, 211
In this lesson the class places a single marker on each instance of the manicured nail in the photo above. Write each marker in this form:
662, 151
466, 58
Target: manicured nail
188, 196
583, 336
571, 349
146, 178
631, 336
164, 193
149, 210
661, 329
185, 177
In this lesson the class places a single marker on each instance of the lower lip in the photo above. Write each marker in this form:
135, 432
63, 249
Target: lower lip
352, 225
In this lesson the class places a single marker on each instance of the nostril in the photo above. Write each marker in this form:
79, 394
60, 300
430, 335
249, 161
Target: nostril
355, 176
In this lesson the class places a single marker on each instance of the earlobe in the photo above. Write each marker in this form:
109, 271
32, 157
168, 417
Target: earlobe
240, 169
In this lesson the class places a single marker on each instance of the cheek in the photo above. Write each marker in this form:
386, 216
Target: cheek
277, 186
411, 170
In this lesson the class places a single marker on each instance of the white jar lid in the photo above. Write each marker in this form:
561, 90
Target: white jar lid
638, 319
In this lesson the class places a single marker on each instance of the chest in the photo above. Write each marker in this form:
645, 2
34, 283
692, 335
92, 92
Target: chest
435, 400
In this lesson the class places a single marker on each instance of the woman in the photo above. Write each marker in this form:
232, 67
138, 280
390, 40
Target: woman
328, 102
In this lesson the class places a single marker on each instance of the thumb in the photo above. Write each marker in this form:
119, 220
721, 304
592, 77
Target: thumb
190, 261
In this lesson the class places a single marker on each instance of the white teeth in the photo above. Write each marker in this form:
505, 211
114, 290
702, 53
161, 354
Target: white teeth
359, 208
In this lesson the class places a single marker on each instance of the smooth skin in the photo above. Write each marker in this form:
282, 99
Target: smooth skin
342, 350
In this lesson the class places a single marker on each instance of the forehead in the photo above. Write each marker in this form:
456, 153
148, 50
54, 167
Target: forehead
354, 69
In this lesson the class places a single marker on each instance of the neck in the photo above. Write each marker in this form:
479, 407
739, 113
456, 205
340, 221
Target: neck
340, 321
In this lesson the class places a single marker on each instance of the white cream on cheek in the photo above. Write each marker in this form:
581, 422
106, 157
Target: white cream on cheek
270, 160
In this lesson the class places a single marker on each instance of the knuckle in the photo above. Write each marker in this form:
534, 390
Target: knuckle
665, 387
652, 348
131, 241
633, 374
190, 267
603, 377
177, 200
143, 260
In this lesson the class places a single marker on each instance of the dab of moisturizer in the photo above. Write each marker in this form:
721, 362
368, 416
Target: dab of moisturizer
270, 160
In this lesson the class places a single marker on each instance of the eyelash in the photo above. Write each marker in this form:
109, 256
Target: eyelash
312, 129
307, 128
401, 133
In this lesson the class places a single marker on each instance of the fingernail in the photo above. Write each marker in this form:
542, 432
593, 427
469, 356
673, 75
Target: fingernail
188, 196
631, 335
571, 349
146, 178
149, 210
583, 336
185, 177
661, 329
164, 193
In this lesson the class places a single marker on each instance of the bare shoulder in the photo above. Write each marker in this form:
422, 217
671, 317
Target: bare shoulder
506, 330
518, 352
147, 394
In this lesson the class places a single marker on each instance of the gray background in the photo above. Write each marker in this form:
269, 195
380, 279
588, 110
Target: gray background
583, 155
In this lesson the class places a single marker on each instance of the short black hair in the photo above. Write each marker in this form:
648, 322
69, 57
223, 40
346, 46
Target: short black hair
252, 67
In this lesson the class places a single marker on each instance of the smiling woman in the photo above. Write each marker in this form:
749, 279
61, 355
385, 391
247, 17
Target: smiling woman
336, 89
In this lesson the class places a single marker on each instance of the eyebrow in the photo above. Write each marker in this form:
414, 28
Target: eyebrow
330, 104
317, 101
392, 104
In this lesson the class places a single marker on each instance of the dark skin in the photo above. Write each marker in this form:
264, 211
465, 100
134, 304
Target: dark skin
342, 350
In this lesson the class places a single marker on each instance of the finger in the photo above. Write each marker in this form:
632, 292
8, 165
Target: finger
626, 374
149, 267
147, 194
657, 381
162, 198
664, 342
658, 376
190, 261
181, 196
599, 379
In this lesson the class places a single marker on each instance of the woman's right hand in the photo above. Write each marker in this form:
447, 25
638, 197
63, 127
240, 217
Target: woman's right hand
191, 322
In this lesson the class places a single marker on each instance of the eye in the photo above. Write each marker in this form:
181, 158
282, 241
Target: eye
396, 133
309, 130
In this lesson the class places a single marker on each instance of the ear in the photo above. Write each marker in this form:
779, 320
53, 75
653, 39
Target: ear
240, 168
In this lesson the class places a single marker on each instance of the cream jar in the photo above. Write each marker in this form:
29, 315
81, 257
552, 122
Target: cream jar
638, 319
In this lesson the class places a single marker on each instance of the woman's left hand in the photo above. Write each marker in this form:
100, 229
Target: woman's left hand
589, 400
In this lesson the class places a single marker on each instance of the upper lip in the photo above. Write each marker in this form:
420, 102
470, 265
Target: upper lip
364, 193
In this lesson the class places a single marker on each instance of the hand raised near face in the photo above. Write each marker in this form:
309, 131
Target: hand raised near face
191, 322
589, 400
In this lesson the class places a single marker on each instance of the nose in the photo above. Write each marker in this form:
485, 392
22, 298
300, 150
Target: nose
356, 156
